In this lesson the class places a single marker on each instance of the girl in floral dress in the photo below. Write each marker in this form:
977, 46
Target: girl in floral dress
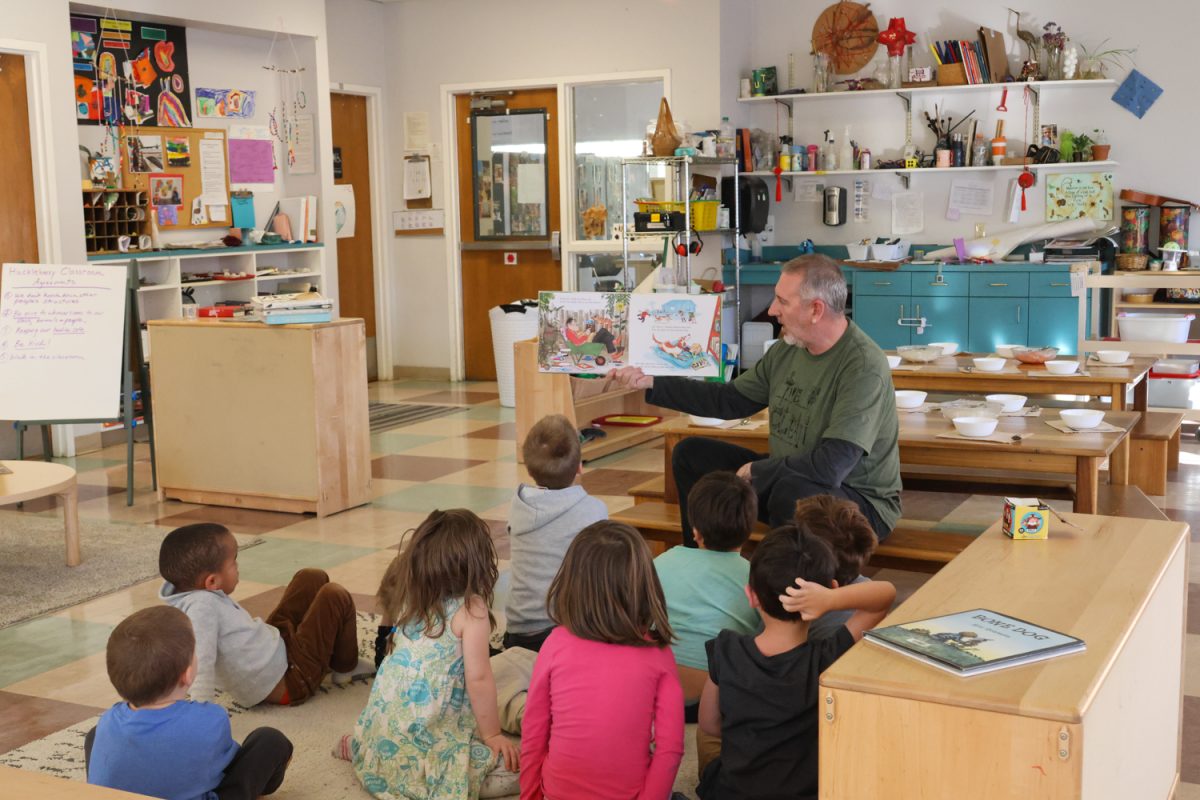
431, 728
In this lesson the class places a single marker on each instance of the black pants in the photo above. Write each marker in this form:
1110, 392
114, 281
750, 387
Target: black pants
530, 641
257, 769
696, 456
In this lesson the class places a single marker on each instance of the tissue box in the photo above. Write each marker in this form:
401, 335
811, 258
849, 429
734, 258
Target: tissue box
1026, 518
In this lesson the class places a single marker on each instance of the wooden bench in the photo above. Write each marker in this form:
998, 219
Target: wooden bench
1154, 449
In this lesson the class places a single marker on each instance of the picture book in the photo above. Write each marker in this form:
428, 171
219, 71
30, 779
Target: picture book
974, 642
663, 334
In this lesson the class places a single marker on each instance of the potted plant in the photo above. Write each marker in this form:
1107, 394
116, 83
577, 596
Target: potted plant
1100, 145
1083, 147
1094, 63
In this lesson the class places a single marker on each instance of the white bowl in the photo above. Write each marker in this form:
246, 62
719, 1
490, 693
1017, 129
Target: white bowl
989, 364
976, 426
919, 353
1006, 350
1081, 419
707, 422
1112, 356
1062, 367
948, 348
893, 361
1008, 402
909, 398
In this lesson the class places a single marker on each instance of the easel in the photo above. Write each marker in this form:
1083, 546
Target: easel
131, 346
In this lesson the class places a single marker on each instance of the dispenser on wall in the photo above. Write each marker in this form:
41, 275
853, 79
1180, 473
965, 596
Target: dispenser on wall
835, 205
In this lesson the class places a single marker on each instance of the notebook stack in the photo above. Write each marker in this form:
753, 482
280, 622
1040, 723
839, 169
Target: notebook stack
282, 309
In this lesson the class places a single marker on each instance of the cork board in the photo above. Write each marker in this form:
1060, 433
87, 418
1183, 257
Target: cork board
166, 163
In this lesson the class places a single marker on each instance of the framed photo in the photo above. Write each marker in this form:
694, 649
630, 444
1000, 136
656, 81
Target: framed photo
1049, 136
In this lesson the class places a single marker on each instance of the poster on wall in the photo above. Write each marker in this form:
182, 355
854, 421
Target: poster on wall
1079, 194
130, 72
224, 103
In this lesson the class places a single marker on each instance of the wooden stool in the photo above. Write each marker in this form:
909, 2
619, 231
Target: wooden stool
30, 480
1154, 449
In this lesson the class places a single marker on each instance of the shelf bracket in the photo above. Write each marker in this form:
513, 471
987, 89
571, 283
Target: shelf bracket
790, 110
1036, 107
905, 178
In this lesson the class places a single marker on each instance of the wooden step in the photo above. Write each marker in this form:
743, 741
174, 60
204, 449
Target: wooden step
649, 491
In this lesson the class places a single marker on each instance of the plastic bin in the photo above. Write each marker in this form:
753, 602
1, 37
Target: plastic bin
1173, 384
704, 212
511, 323
1154, 327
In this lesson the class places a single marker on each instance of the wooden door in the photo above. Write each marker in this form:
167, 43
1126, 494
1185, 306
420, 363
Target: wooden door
356, 254
18, 212
486, 280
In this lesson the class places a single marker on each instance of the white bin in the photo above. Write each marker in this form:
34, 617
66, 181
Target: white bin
511, 323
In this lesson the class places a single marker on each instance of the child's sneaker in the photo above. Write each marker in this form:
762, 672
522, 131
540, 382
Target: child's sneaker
364, 669
341, 748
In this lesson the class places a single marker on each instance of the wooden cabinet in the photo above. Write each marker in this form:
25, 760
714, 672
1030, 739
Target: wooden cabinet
272, 417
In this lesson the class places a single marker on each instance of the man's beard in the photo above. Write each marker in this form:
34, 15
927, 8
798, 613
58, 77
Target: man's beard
787, 337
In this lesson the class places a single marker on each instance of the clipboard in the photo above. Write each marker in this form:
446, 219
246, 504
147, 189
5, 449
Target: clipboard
997, 56
419, 202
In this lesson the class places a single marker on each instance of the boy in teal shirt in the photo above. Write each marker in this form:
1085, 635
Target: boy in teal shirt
704, 587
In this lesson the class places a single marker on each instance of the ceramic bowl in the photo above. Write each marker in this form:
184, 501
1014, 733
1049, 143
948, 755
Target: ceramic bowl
1034, 355
707, 422
989, 364
976, 426
919, 353
1081, 419
893, 361
948, 348
1062, 367
906, 398
1112, 356
1007, 350
1008, 402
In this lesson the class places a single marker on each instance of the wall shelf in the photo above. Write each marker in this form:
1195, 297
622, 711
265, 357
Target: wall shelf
965, 88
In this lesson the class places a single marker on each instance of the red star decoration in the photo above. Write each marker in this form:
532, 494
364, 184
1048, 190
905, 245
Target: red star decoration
896, 37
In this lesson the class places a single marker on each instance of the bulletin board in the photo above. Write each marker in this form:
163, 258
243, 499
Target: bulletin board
171, 158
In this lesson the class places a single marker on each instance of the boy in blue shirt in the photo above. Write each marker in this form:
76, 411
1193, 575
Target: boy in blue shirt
704, 586
157, 742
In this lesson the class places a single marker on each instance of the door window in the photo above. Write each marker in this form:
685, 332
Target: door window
508, 151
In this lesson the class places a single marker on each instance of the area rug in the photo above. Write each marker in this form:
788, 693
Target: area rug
385, 416
35, 580
313, 727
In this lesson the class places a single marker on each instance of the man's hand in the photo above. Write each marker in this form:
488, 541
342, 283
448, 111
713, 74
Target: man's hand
629, 378
810, 599
744, 472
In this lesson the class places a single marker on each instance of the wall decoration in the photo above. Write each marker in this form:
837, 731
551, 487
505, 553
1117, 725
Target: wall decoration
166, 190
129, 72
179, 153
1079, 194
224, 103
144, 153
343, 211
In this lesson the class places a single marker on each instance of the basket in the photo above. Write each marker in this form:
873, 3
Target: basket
1132, 262
704, 212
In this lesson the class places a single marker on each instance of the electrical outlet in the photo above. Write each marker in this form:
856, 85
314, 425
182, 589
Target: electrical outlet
767, 235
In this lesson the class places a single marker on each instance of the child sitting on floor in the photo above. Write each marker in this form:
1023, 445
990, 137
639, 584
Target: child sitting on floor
761, 694
849, 534
431, 726
282, 660
604, 716
705, 586
542, 522
156, 742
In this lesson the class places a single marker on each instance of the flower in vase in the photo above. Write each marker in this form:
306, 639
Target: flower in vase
1053, 36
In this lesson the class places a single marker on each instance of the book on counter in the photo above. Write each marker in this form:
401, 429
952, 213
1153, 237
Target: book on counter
281, 309
974, 642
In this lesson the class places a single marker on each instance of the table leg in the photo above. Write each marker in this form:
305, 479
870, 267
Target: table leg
70, 507
670, 493
1087, 484
1141, 394
1118, 463
1116, 394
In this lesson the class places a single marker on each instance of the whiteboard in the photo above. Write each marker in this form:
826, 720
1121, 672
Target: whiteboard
62, 332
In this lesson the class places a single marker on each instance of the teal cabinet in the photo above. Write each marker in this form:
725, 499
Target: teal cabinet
997, 320
947, 318
1046, 328
878, 316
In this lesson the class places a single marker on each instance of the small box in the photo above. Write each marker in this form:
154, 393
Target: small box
1026, 518
951, 75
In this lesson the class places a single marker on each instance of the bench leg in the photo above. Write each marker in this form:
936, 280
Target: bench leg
70, 507
1087, 484
1118, 464
1173, 449
1149, 462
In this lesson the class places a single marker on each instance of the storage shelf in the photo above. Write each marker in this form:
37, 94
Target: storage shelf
1145, 348
699, 161
280, 276
928, 170
919, 90
159, 287
1172, 306
667, 234
189, 284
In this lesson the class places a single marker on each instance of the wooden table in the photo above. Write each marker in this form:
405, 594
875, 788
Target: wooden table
1104, 723
1045, 451
19, 783
272, 417
943, 375
30, 480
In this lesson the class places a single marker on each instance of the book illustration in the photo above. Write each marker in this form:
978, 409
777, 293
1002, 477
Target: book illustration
672, 334
974, 641
582, 332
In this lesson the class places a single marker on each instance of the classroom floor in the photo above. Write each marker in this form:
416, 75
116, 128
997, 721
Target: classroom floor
52, 672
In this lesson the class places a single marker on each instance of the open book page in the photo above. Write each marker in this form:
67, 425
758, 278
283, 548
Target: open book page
675, 334
582, 332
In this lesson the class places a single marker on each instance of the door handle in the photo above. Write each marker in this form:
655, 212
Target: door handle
901, 314
918, 312
555, 246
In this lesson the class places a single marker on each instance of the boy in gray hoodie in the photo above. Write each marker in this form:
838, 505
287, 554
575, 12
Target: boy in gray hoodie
282, 660
542, 522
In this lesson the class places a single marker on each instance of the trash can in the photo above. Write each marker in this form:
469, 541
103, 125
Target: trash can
511, 322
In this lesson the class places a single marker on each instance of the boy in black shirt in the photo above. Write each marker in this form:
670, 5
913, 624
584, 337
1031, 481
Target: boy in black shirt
761, 694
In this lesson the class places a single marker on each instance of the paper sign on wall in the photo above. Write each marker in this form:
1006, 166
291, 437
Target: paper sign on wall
343, 211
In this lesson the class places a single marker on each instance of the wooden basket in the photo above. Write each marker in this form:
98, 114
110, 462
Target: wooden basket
1132, 262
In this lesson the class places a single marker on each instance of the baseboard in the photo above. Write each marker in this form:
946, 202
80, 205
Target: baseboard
421, 373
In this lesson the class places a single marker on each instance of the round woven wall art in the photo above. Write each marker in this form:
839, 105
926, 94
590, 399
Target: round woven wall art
846, 32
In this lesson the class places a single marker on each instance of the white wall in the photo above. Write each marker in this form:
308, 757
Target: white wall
358, 38
470, 41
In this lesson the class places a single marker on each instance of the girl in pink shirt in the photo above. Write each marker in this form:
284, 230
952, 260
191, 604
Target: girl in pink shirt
604, 688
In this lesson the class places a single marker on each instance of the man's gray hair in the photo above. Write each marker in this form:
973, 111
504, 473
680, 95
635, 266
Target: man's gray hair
823, 280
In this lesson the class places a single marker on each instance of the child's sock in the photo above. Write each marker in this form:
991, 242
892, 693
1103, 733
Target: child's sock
383, 633
363, 669
341, 748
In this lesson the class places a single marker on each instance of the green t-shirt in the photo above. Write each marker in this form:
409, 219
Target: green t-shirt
845, 393
705, 592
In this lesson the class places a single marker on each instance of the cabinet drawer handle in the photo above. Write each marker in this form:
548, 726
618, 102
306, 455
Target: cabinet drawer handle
1060, 285
1018, 313
881, 283
997, 284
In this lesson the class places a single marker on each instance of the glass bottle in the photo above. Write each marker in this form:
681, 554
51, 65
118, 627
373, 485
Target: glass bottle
958, 150
820, 72
979, 151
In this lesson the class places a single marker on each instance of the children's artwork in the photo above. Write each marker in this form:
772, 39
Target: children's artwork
1073, 195
594, 332
343, 211
145, 153
224, 103
179, 152
167, 215
130, 66
251, 161
1137, 93
166, 190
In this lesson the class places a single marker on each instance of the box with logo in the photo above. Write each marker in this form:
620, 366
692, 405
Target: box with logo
1026, 518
